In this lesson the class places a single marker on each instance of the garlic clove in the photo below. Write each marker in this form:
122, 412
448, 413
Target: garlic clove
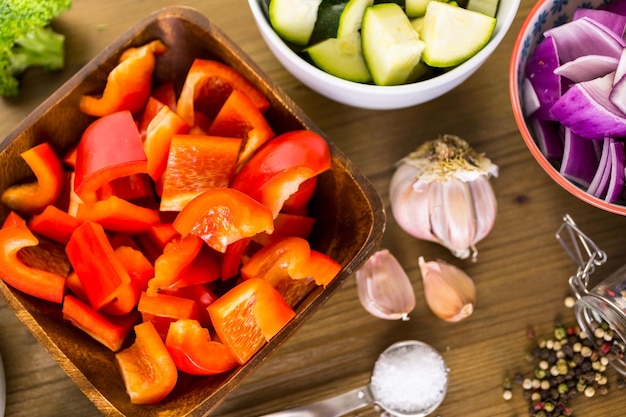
452, 216
485, 206
410, 206
450, 292
384, 288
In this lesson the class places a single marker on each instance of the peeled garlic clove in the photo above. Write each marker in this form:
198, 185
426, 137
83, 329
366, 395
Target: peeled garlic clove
384, 288
450, 293
441, 193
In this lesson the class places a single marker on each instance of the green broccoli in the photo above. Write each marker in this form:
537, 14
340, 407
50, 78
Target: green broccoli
26, 40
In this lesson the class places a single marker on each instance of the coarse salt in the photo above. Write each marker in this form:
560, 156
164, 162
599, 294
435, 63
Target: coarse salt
409, 379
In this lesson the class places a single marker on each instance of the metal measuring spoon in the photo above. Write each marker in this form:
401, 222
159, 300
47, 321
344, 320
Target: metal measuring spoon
395, 386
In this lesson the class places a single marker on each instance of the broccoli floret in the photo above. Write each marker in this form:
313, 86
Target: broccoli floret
26, 40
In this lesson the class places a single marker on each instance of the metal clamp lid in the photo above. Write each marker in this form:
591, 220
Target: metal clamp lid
583, 251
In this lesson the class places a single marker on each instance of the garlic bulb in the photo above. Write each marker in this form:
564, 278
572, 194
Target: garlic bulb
384, 288
441, 193
450, 293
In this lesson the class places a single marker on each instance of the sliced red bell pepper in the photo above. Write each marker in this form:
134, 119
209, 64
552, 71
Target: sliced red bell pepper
196, 164
201, 294
163, 309
101, 273
129, 84
248, 315
111, 331
140, 270
31, 198
109, 148
13, 219
175, 267
54, 224
148, 371
194, 352
33, 281
234, 257
135, 187
298, 202
278, 169
118, 215
221, 216
291, 267
159, 132
240, 118
207, 86
286, 225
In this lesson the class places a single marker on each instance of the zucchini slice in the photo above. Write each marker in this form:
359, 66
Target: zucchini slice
453, 34
391, 46
341, 57
293, 20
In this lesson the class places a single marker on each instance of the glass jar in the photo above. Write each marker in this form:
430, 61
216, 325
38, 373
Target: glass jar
600, 311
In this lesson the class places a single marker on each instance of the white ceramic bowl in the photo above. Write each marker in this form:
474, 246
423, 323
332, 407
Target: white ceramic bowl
379, 97
545, 15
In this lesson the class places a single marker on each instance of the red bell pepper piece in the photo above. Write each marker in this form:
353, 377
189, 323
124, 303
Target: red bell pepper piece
54, 224
101, 273
221, 216
111, 331
163, 309
140, 271
148, 371
16, 273
129, 84
13, 219
159, 133
109, 148
31, 198
135, 187
286, 225
196, 164
240, 118
207, 86
291, 267
201, 294
234, 257
248, 315
175, 267
194, 352
280, 167
298, 202
119, 215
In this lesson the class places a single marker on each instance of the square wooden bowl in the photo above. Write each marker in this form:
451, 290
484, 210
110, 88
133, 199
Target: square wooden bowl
350, 214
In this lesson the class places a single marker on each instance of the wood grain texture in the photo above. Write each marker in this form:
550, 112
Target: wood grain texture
521, 273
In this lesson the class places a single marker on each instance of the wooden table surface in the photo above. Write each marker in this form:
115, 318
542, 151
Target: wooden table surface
521, 273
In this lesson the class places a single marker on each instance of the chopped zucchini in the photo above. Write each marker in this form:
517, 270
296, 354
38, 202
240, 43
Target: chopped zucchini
293, 20
341, 57
391, 47
453, 34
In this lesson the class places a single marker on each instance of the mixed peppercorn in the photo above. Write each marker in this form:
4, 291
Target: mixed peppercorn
567, 365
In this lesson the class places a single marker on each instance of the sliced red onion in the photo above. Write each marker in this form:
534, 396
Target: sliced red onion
540, 72
616, 182
587, 67
617, 95
549, 139
579, 163
614, 21
620, 71
600, 182
586, 109
585, 37
530, 100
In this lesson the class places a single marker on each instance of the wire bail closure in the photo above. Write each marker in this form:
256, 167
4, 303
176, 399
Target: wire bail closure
583, 251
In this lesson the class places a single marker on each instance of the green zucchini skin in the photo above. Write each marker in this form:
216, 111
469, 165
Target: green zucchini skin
328, 17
